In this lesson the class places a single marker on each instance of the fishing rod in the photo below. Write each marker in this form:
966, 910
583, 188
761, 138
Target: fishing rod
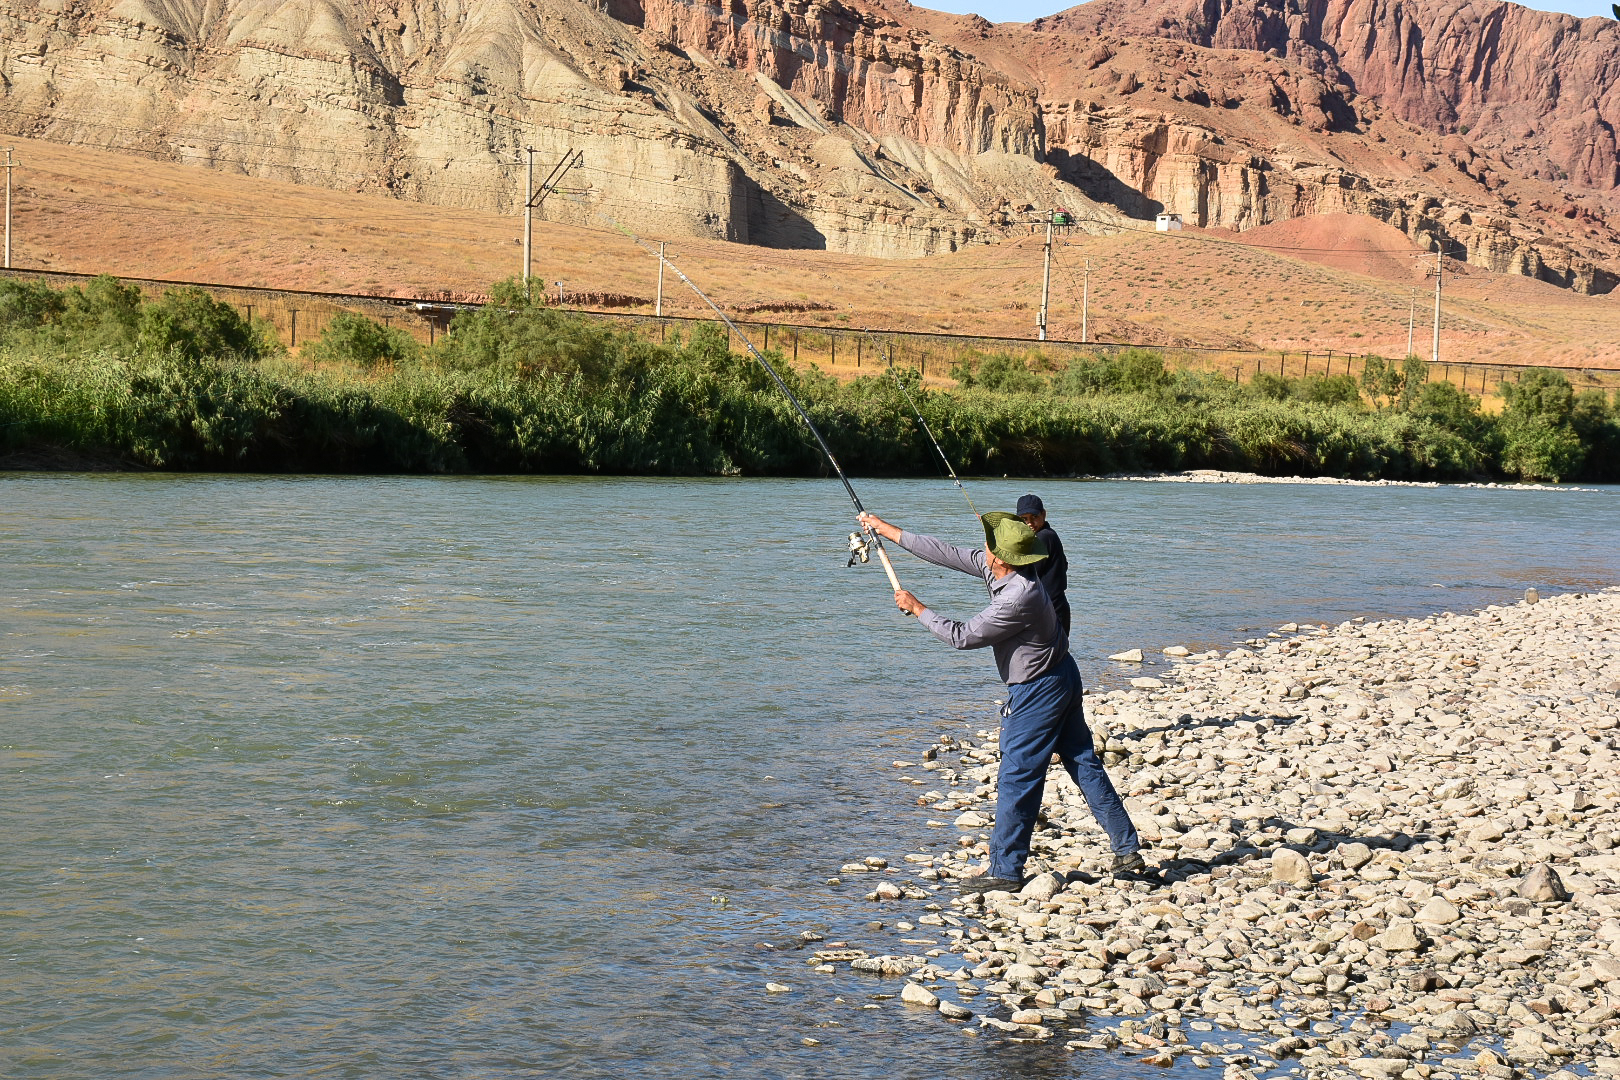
888, 356
860, 543
867, 538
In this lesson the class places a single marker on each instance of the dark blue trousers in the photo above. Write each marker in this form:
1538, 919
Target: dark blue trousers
1047, 716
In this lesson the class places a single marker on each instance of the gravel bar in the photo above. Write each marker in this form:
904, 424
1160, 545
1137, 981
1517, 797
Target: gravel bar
1383, 849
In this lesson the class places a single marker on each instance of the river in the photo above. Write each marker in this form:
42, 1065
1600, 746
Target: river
510, 777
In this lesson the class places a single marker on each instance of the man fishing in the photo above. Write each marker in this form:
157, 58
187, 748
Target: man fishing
1045, 712
1053, 571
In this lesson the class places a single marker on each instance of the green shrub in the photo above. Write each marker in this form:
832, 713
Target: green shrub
1414, 377
1539, 440
522, 388
27, 305
519, 336
1129, 371
100, 316
1271, 387
188, 324
1329, 390
1000, 372
361, 342
1384, 379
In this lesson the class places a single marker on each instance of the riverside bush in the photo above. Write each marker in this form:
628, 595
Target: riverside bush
520, 387
360, 342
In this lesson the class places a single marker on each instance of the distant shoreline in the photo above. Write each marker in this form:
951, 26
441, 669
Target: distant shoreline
1219, 476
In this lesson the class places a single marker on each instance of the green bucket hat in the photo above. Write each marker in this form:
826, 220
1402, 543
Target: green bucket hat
1010, 540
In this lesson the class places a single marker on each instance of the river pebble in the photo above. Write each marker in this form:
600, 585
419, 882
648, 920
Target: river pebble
1404, 823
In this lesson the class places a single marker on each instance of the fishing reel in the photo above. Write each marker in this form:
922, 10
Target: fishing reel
860, 549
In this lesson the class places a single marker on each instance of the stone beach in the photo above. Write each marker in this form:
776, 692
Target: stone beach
1380, 849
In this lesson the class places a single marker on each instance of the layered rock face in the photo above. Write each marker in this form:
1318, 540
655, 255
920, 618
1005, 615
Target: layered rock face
819, 126
1536, 88
419, 100
1233, 117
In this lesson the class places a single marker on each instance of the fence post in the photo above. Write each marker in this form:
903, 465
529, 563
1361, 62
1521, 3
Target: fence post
294, 327
833, 338
857, 352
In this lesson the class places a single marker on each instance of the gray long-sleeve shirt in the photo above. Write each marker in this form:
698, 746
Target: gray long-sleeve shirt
1019, 625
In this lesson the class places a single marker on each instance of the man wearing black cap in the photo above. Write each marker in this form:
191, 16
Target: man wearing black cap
1045, 714
1053, 571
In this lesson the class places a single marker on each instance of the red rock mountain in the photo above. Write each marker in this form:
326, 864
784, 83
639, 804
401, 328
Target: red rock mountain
870, 126
1538, 89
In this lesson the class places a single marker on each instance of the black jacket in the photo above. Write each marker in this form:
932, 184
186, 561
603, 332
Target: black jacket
1053, 571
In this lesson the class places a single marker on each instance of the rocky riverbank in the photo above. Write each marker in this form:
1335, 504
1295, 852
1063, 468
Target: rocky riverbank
1381, 849
1222, 476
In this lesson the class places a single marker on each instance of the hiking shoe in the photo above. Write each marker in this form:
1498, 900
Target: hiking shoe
1127, 864
985, 883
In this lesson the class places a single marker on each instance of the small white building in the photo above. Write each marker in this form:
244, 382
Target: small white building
1167, 223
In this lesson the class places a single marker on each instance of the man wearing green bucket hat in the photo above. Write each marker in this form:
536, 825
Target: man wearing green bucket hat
1045, 713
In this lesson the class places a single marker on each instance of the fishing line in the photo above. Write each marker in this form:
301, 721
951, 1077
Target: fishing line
857, 548
888, 356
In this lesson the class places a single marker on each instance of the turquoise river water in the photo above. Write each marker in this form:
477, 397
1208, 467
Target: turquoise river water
498, 777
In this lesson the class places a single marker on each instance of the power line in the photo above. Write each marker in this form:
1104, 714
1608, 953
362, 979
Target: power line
431, 184
1193, 238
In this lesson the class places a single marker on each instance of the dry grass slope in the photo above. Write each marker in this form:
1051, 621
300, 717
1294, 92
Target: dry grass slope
1330, 282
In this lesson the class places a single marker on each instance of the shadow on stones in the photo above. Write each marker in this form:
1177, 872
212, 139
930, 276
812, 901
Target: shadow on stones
1173, 871
1188, 723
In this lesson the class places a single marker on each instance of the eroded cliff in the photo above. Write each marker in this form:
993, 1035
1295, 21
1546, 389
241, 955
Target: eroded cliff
1231, 136
874, 127
811, 125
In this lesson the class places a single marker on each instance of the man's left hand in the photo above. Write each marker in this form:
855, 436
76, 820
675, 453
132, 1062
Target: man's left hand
908, 603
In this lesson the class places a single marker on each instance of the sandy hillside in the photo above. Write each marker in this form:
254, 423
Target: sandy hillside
1331, 282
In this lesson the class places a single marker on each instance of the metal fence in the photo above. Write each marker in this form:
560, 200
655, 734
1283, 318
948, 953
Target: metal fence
851, 350
299, 316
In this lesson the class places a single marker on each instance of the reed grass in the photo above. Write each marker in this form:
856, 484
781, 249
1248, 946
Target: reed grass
174, 383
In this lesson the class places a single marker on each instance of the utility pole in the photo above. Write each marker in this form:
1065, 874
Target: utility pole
9, 165
528, 225
1085, 303
533, 198
1046, 279
658, 309
1439, 274
1411, 320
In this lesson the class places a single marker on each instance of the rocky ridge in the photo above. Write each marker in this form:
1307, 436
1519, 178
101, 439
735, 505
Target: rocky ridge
1158, 117
873, 128
1412, 823
1536, 88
